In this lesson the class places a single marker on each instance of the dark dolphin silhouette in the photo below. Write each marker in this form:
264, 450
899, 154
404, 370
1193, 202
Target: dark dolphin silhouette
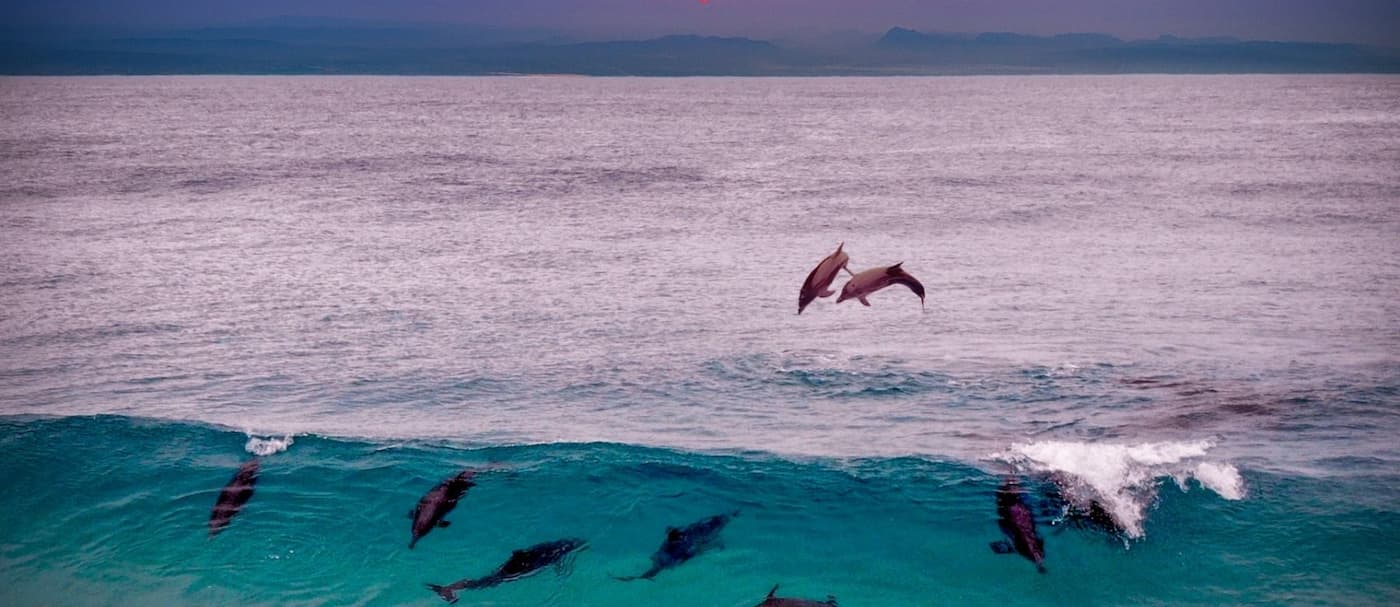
818, 283
234, 495
436, 503
1018, 523
869, 281
520, 564
1079, 508
684, 544
776, 601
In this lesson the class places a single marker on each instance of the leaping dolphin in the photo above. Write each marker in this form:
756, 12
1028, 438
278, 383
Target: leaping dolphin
869, 281
436, 503
684, 544
818, 283
1018, 523
521, 563
231, 499
777, 601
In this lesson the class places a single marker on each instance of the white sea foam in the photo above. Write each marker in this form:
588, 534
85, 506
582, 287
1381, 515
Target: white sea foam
267, 446
1221, 478
1123, 478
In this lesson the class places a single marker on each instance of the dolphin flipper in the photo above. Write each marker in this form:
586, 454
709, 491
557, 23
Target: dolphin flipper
865, 302
628, 578
1002, 547
826, 293
447, 593
444, 523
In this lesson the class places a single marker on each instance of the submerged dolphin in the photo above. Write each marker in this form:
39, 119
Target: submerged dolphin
684, 544
775, 601
869, 281
1017, 522
1079, 506
818, 283
236, 493
520, 564
435, 504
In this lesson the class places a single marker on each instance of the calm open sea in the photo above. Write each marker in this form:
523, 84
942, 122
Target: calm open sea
1176, 296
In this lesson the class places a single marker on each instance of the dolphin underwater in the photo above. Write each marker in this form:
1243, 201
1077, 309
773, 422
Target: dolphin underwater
684, 544
231, 499
869, 281
818, 283
436, 503
521, 563
1018, 523
776, 601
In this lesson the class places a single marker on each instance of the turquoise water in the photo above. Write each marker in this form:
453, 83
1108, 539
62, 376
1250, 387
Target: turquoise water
113, 511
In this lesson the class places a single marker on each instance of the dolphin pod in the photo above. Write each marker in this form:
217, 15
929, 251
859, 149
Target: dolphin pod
860, 286
684, 543
521, 563
437, 502
233, 496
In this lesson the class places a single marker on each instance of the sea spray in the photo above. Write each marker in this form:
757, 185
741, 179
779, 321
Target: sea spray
1123, 478
267, 446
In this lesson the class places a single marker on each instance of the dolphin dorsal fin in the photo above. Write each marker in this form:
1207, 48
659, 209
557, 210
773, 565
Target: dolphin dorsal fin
773, 591
895, 269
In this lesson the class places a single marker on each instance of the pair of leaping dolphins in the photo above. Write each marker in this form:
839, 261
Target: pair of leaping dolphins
860, 285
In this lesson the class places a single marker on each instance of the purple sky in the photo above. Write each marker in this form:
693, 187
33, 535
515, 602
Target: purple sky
1370, 21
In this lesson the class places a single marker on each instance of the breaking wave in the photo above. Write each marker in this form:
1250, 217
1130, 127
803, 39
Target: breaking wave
1123, 479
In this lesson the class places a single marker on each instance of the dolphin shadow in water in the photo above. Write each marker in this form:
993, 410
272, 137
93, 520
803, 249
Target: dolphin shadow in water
521, 563
233, 496
1017, 521
437, 502
684, 544
777, 601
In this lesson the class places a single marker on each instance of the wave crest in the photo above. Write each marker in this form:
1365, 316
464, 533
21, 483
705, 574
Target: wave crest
1122, 478
267, 446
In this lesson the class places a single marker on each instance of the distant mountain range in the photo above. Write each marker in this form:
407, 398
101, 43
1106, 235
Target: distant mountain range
323, 46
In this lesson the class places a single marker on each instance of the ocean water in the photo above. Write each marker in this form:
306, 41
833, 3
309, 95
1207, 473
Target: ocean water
1176, 296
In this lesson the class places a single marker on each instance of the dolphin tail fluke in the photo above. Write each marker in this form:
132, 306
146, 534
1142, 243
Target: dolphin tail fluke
446, 592
1040, 567
412, 542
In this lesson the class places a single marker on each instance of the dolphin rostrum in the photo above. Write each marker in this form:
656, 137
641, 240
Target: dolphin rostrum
436, 503
236, 493
777, 601
1018, 523
869, 281
521, 563
818, 283
684, 544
